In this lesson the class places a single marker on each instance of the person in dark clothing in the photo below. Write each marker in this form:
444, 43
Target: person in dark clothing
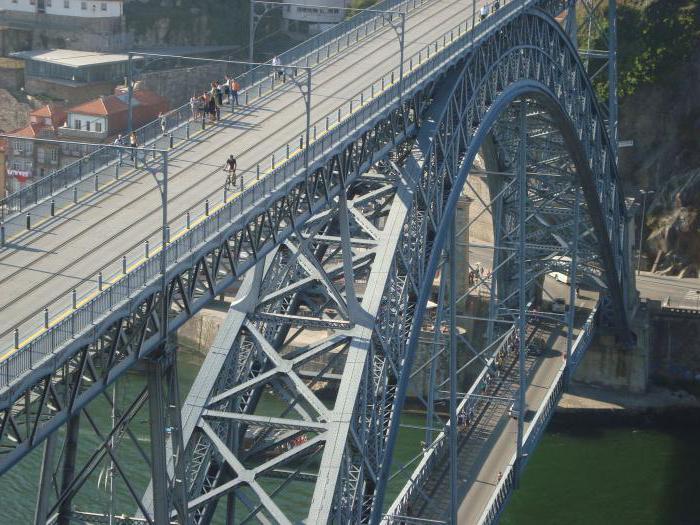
212, 107
230, 169
134, 143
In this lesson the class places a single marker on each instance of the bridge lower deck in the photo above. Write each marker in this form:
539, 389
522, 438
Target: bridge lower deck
486, 446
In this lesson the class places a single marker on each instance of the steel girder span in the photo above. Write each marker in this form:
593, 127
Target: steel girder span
343, 301
350, 257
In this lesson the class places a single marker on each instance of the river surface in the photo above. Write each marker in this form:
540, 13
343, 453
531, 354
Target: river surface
581, 473
18, 487
632, 473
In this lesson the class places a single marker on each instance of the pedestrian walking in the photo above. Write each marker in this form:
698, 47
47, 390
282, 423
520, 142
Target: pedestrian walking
211, 104
163, 123
133, 143
193, 107
219, 94
234, 88
500, 476
483, 12
230, 169
276, 65
227, 88
496, 6
119, 141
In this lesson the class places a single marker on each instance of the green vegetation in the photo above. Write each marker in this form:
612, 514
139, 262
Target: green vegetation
654, 37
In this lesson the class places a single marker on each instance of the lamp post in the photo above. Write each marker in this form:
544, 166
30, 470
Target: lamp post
641, 228
268, 6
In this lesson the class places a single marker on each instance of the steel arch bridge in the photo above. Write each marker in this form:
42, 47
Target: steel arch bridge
360, 256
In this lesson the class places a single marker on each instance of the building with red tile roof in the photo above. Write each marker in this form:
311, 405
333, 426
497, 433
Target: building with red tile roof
96, 121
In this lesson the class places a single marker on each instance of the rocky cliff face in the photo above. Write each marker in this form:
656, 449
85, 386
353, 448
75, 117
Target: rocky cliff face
660, 112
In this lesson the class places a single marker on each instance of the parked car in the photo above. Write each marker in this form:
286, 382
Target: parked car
558, 306
514, 410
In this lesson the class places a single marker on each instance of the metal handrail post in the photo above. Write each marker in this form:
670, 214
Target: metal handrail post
308, 117
130, 90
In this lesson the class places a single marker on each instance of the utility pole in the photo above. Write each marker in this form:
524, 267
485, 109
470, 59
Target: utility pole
641, 228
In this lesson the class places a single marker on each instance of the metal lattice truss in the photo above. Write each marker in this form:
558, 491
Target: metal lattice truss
368, 336
340, 268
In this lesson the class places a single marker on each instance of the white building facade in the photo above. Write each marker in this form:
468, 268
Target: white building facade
313, 16
74, 8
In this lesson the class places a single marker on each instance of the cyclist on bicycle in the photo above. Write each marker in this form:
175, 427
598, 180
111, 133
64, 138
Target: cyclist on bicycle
230, 168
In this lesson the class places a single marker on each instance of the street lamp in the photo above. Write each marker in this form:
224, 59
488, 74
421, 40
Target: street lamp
399, 28
641, 229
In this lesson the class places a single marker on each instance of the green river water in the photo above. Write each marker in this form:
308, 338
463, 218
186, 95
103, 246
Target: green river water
580, 474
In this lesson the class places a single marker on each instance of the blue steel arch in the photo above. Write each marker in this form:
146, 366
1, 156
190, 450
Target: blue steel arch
570, 100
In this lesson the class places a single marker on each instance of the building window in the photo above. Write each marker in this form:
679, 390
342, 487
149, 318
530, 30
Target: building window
76, 124
98, 127
48, 3
103, 6
83, 5
18, 146
87, 126
40, 156
54, 155
66, 4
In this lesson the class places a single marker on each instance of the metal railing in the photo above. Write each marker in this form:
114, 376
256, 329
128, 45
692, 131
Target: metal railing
255, 83
534, 432
96, 303
425, 467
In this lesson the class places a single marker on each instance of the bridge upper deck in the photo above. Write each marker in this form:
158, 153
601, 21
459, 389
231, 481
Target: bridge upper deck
40, 268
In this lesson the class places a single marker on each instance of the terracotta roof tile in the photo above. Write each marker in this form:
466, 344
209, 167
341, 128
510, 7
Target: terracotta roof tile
32, 130
102, 106
49, 110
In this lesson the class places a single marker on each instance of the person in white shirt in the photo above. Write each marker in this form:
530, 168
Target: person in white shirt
484, 12
276, 65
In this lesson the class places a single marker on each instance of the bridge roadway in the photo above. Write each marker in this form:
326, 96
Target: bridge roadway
486, 447
40, 268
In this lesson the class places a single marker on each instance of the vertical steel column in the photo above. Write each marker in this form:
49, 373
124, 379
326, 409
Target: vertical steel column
307, 100
130, 90
497, 218
570, 25
70, 455
45, 477
402, 42
612, 75
346, 245
177, 442
572, 278
163, 258
521, 173
453, 372
251, 32
156, 416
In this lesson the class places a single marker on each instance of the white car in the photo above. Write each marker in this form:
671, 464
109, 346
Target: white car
559, 306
